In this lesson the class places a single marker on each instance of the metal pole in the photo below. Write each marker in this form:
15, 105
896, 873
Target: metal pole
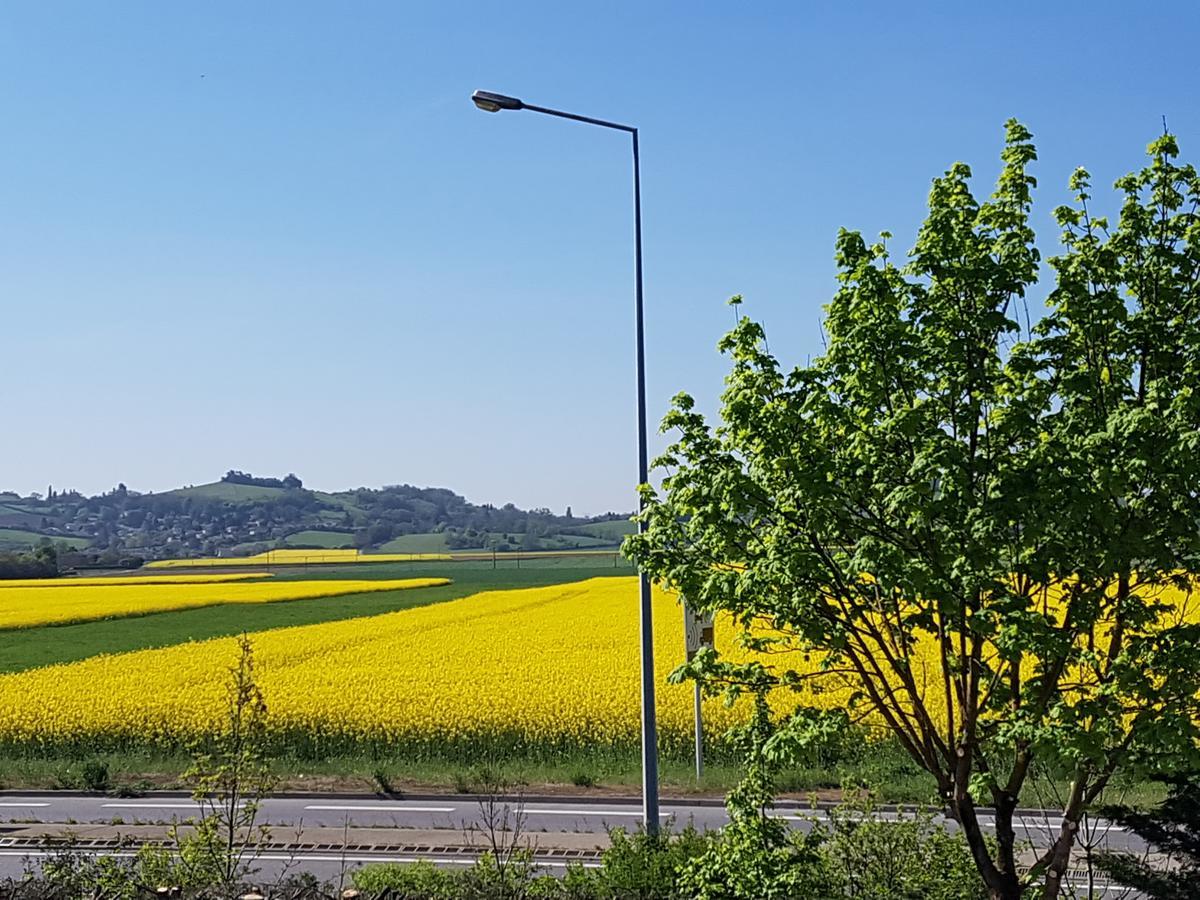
649, 724
699, 738
494, 103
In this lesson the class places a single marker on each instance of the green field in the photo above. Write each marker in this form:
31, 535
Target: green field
572, 542
223, 490
613, 532
17, 517
15, 538
416, 543
32, 647
332, 540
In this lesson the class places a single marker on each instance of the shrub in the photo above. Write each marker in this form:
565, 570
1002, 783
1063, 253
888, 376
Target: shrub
89, 775
908, 858
647, 866
417, 881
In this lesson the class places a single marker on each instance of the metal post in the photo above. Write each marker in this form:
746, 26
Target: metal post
699, 738
490, 102
649, 719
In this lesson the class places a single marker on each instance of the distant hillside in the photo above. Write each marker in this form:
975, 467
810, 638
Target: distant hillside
242, 513
16, 539
221, 490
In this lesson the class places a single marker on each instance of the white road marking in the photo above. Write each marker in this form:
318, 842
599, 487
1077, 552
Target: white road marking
1052, 827
590, 812
151, 805
22, 805
415, 809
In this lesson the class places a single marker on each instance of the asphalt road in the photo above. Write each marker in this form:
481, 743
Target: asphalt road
455, 812
335, 835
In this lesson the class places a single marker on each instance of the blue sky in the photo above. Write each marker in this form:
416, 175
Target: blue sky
278, 236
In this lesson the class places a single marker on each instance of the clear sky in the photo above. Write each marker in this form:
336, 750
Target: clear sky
278, 236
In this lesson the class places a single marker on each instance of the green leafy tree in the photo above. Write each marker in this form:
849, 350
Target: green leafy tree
973, 523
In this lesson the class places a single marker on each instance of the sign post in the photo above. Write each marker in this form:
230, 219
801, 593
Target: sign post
697, 632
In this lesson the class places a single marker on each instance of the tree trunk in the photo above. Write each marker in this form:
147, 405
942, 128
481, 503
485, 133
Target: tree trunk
999, 875
1006, 841
1060, 858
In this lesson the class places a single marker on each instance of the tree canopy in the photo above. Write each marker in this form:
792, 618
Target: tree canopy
980, 522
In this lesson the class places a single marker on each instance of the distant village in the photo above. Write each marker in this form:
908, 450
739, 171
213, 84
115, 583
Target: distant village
242, 514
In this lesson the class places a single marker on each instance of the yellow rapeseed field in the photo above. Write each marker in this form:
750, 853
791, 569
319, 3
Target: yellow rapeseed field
294, 557
124, 580
24, 607
540, 667
535, 669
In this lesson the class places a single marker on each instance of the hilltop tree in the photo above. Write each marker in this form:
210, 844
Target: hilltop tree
973, 527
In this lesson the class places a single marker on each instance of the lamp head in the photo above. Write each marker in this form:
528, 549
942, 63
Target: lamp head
489, 102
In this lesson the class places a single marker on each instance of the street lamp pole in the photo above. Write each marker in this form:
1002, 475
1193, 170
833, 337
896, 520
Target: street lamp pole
490, 102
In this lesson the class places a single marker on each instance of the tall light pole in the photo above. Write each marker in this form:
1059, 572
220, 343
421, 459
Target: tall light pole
490, 102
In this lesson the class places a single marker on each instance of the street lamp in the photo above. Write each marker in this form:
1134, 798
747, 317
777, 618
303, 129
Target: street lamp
490, 102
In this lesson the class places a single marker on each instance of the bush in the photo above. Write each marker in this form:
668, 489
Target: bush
647, 866
417, 881
88, 775
909, 858
636, 866
758, 858
68, 875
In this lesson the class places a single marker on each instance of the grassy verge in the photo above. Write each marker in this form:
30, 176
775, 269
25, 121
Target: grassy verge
603, 772
32, 647
882, 769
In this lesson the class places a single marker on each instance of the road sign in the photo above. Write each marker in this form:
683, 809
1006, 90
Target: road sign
697, 630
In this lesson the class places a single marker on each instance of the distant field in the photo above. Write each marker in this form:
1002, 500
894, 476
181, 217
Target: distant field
18, 538
293, 556
223, 490
26, 607
613, 532
436, 543
127, 580
46, 645
329, 539
18, 518
573, 541
416, 543
300, 558
30, 507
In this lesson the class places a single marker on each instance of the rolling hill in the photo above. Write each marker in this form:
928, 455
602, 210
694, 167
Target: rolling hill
242, 514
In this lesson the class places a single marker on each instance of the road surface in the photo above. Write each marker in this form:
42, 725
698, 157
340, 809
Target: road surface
342, 832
